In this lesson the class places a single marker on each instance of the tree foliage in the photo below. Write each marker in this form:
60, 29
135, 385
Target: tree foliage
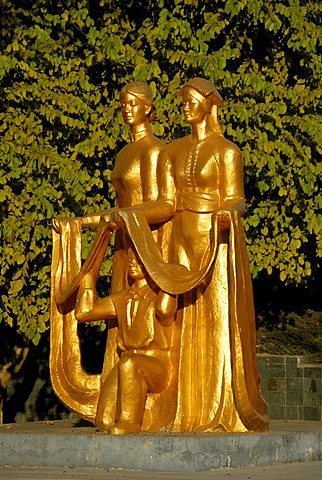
62, 64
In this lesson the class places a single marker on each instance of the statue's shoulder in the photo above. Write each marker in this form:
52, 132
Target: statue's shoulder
124, 152
176, 146
227, 147
153, 143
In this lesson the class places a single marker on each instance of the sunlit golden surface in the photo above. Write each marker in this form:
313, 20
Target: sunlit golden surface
180, 354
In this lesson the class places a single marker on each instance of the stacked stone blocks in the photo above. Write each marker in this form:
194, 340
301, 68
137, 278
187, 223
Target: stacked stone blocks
292, 387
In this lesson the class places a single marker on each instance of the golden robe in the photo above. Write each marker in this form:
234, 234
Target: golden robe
218, 382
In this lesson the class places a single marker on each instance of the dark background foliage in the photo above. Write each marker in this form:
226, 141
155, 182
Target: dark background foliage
62, 65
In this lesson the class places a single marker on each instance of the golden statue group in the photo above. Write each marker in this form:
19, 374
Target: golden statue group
180, 353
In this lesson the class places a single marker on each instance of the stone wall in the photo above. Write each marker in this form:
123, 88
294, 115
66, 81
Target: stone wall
292, 387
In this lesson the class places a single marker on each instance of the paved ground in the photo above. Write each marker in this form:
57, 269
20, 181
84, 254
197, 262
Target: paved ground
293, 471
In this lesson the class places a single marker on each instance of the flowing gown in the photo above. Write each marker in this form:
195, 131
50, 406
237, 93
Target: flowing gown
218, 382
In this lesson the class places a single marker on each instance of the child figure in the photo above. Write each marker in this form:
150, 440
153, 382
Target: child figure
145, 330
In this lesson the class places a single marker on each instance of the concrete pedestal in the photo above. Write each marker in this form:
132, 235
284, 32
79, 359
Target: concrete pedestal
62, 443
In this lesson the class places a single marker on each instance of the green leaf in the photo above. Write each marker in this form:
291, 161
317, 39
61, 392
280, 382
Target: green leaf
15, 286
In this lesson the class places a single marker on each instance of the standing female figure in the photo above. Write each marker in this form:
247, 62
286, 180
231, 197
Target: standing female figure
201, 189
134, 179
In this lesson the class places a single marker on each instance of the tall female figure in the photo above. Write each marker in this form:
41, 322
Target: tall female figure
134, 179
201, 189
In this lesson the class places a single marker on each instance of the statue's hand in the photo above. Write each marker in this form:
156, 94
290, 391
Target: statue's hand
110, 220
223, 217
119, 221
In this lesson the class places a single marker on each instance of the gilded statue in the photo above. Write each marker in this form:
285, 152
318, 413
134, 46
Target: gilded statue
187, 237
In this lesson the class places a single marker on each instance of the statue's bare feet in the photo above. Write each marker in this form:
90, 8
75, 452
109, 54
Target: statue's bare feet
123, 427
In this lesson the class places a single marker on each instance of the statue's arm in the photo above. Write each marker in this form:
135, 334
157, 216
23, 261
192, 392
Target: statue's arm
161, 209
232, 193
90, 309
91, 220
232, 186
148, 172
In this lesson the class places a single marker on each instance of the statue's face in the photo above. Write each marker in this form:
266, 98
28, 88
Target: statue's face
134, 111
194, 106
134, 268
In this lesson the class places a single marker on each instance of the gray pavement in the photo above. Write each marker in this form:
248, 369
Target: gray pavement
290, 471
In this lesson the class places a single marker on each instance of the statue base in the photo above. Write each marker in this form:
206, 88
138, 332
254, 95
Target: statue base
64, 443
